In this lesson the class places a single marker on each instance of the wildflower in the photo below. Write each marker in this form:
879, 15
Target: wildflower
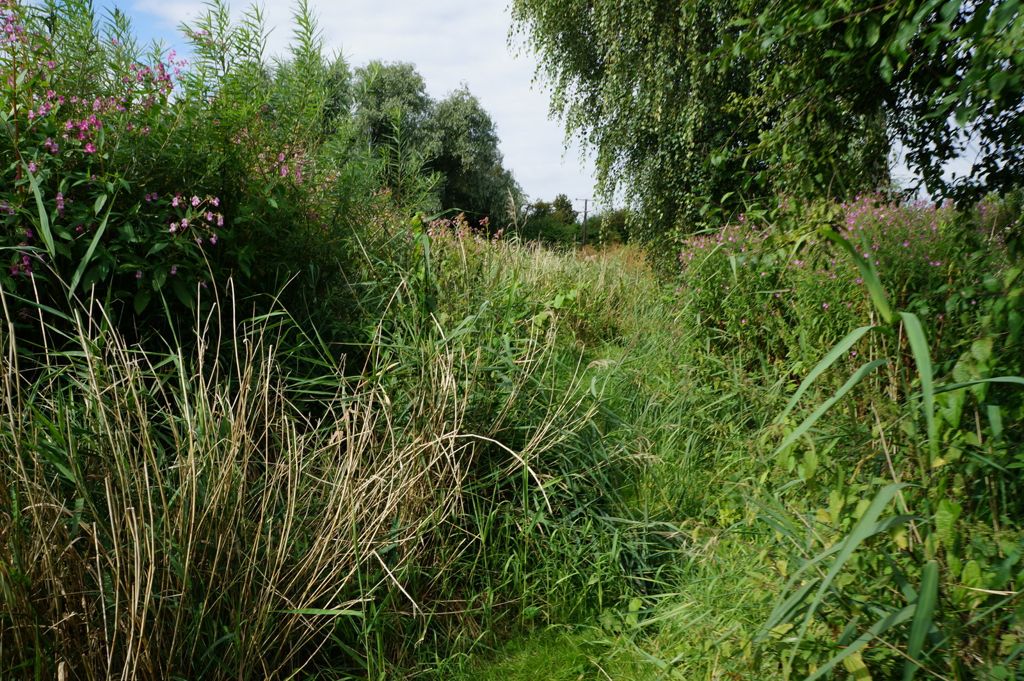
824, 306
176, 200
174, 228
220, 220
138, 274
174, 270
90, 148
32, 167
60, 203
213, 240
195, 201
184, 223
215, 201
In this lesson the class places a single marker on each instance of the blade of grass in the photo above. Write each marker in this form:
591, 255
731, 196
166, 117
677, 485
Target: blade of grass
857, 377
927, 597
828, 360
80, 270
866, 527
880, 627
868, 274
923, 359
44, 219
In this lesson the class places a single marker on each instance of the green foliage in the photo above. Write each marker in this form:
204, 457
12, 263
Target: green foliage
680, 121
550, 223
468, 157
703, 109
946, 70
455, 138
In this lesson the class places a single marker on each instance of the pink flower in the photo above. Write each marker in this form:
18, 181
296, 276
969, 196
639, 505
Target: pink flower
32, 167
195, 201
176, 200
90, 148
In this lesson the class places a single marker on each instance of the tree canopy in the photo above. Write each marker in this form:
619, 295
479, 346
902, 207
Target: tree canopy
703, 106
454, 137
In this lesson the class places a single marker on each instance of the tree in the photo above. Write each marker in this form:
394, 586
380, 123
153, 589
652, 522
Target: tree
700, 107
467, 155
385, 91
338, 102
948, 72
563, 210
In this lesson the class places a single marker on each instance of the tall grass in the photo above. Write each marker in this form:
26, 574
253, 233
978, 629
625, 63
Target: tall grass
190, 516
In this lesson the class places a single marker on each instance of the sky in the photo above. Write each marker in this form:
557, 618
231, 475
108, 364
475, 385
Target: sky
451, 42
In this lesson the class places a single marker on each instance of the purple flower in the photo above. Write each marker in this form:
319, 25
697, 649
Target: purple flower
195, 201
90, 148
32, 167
138, 274
174, 270
213, 240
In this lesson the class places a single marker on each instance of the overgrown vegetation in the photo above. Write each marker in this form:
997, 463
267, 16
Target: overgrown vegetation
270, 411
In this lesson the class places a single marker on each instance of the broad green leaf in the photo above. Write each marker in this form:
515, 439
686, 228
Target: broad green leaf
928, 596
44, 219
923, 359
87, 259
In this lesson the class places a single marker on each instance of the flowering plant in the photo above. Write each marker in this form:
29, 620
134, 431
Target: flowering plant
88, 124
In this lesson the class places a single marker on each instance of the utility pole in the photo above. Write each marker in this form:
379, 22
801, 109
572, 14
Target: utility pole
586, 204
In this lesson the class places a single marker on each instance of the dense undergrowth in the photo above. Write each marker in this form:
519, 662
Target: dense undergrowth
261, 422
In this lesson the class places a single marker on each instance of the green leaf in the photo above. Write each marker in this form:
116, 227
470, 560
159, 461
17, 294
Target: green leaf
1015, 380
923, 359
866, 527
997, 82
873, 32
856, 378
946, 515
828, 360
881, 626
142, 299
101, 201
324, 612
44, 219
87, 259
868, 274
928, 596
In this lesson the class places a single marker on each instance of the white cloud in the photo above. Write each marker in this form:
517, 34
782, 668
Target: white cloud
451, 42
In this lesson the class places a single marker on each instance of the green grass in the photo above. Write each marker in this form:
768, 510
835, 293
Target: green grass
545, 470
